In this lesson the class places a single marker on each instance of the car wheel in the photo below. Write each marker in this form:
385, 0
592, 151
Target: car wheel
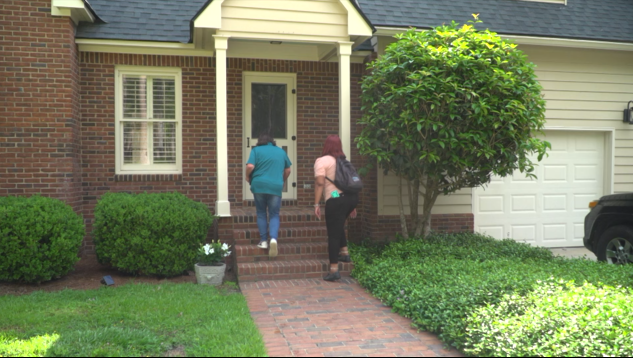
616, 246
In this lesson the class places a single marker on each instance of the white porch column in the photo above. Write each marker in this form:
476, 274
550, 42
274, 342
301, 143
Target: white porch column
345, 109
222, 205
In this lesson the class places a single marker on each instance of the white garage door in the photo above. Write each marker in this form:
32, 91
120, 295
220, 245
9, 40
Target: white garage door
550, 210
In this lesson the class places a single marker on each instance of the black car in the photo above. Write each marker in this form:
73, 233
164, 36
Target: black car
609, 229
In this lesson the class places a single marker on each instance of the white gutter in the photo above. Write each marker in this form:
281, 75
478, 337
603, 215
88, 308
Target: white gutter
533, 40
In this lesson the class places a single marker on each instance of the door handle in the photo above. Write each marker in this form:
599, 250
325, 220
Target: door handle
294, 137
248, 142
294, 185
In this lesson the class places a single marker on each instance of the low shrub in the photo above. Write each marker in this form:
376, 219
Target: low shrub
556, 319
441, 281
150, 234
40, 239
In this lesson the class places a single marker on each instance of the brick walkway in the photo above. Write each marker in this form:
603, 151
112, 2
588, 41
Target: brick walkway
314, 318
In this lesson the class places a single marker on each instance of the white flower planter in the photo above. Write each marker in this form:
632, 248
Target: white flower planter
210, 275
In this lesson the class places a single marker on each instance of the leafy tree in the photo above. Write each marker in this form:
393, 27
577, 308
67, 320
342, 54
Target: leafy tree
445, 109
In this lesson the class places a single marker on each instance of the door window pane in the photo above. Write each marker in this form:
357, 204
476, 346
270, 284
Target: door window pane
269, 110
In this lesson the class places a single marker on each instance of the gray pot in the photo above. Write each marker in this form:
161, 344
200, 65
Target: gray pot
210, 275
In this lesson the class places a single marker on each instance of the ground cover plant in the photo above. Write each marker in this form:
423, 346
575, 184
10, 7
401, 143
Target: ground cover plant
131, 320
502, 298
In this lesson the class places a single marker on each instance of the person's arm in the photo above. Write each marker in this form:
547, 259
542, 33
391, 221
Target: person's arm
287, 173
319, 185
249, 171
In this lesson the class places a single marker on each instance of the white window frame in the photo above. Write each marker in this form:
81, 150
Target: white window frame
124, 169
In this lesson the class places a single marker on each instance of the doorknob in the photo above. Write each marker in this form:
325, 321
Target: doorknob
294, 185
294, 137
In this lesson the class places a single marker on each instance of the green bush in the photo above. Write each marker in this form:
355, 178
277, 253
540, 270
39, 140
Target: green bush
440, 282
556, 319
39, 239
150, 234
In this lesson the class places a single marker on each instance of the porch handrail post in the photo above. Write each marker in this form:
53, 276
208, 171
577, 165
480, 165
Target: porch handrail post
222, 205
345, 127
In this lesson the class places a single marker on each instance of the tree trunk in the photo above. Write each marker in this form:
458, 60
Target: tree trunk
430, 196
403, 217
414, 202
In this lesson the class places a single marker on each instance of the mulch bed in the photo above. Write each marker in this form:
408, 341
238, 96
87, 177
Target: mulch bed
87, 276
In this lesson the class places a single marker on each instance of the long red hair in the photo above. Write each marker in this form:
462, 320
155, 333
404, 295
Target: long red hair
333, 147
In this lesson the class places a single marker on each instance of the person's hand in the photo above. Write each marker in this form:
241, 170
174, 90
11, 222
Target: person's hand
317, 211
353, 214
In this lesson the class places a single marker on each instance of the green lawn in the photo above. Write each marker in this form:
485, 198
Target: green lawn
132, 320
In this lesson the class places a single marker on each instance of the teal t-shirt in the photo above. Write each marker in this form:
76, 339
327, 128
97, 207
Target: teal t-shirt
268, 175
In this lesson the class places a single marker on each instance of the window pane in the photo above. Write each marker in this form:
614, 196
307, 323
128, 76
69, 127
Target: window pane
164, 143
135, 149
134, 97
268, 110
164, 98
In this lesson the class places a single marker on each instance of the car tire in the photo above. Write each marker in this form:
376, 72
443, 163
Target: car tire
616, 245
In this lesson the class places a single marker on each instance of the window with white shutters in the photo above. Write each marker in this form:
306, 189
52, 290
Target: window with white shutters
148, 120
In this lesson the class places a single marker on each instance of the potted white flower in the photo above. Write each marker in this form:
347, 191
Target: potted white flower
210, 268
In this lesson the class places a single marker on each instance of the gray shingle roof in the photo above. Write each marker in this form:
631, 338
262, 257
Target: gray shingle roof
142, 20
605, 20
169, 20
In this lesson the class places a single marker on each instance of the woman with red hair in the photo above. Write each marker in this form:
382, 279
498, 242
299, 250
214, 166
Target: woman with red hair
338, 205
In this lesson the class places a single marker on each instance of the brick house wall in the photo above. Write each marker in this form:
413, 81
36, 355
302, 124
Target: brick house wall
39, 92
317, 116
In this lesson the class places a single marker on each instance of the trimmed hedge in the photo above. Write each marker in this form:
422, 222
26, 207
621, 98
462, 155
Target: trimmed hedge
442, 282
150, 234
40, 239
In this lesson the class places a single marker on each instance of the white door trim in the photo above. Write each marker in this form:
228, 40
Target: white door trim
292, 124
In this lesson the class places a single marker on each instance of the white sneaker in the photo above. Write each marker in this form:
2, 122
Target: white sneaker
273, 248
263, 245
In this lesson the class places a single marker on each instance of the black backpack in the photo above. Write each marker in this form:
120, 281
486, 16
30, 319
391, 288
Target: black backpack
347, 178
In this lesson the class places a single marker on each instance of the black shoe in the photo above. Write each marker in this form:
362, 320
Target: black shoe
333, 276
344, 258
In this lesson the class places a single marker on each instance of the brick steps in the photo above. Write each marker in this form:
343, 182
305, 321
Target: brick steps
287, 252
287, 270
305, 234
303, 247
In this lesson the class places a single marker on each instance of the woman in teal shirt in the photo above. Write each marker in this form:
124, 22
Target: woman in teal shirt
267, 169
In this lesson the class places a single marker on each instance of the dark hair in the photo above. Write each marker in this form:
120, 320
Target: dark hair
265, 138
333, 147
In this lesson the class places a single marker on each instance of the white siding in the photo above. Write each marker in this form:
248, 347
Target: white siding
322, 20
583, 89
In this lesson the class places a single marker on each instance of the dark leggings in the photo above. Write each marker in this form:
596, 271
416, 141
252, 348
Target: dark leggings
336, 212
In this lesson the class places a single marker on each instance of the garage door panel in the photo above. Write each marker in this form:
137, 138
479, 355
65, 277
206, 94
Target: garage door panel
550, 210
523, 204
586, 173
554, 203
555, 173
524, 233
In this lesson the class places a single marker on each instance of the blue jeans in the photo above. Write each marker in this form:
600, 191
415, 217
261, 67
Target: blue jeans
267, 204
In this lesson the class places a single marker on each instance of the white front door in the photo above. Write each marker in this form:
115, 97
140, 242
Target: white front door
270, 106
549, 211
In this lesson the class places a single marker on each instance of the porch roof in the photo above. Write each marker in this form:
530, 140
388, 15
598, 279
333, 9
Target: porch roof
169, 21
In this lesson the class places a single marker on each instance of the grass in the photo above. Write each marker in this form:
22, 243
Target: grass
131, 320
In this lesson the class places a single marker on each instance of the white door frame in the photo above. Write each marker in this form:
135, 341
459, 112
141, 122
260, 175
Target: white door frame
249, 77
609, 164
